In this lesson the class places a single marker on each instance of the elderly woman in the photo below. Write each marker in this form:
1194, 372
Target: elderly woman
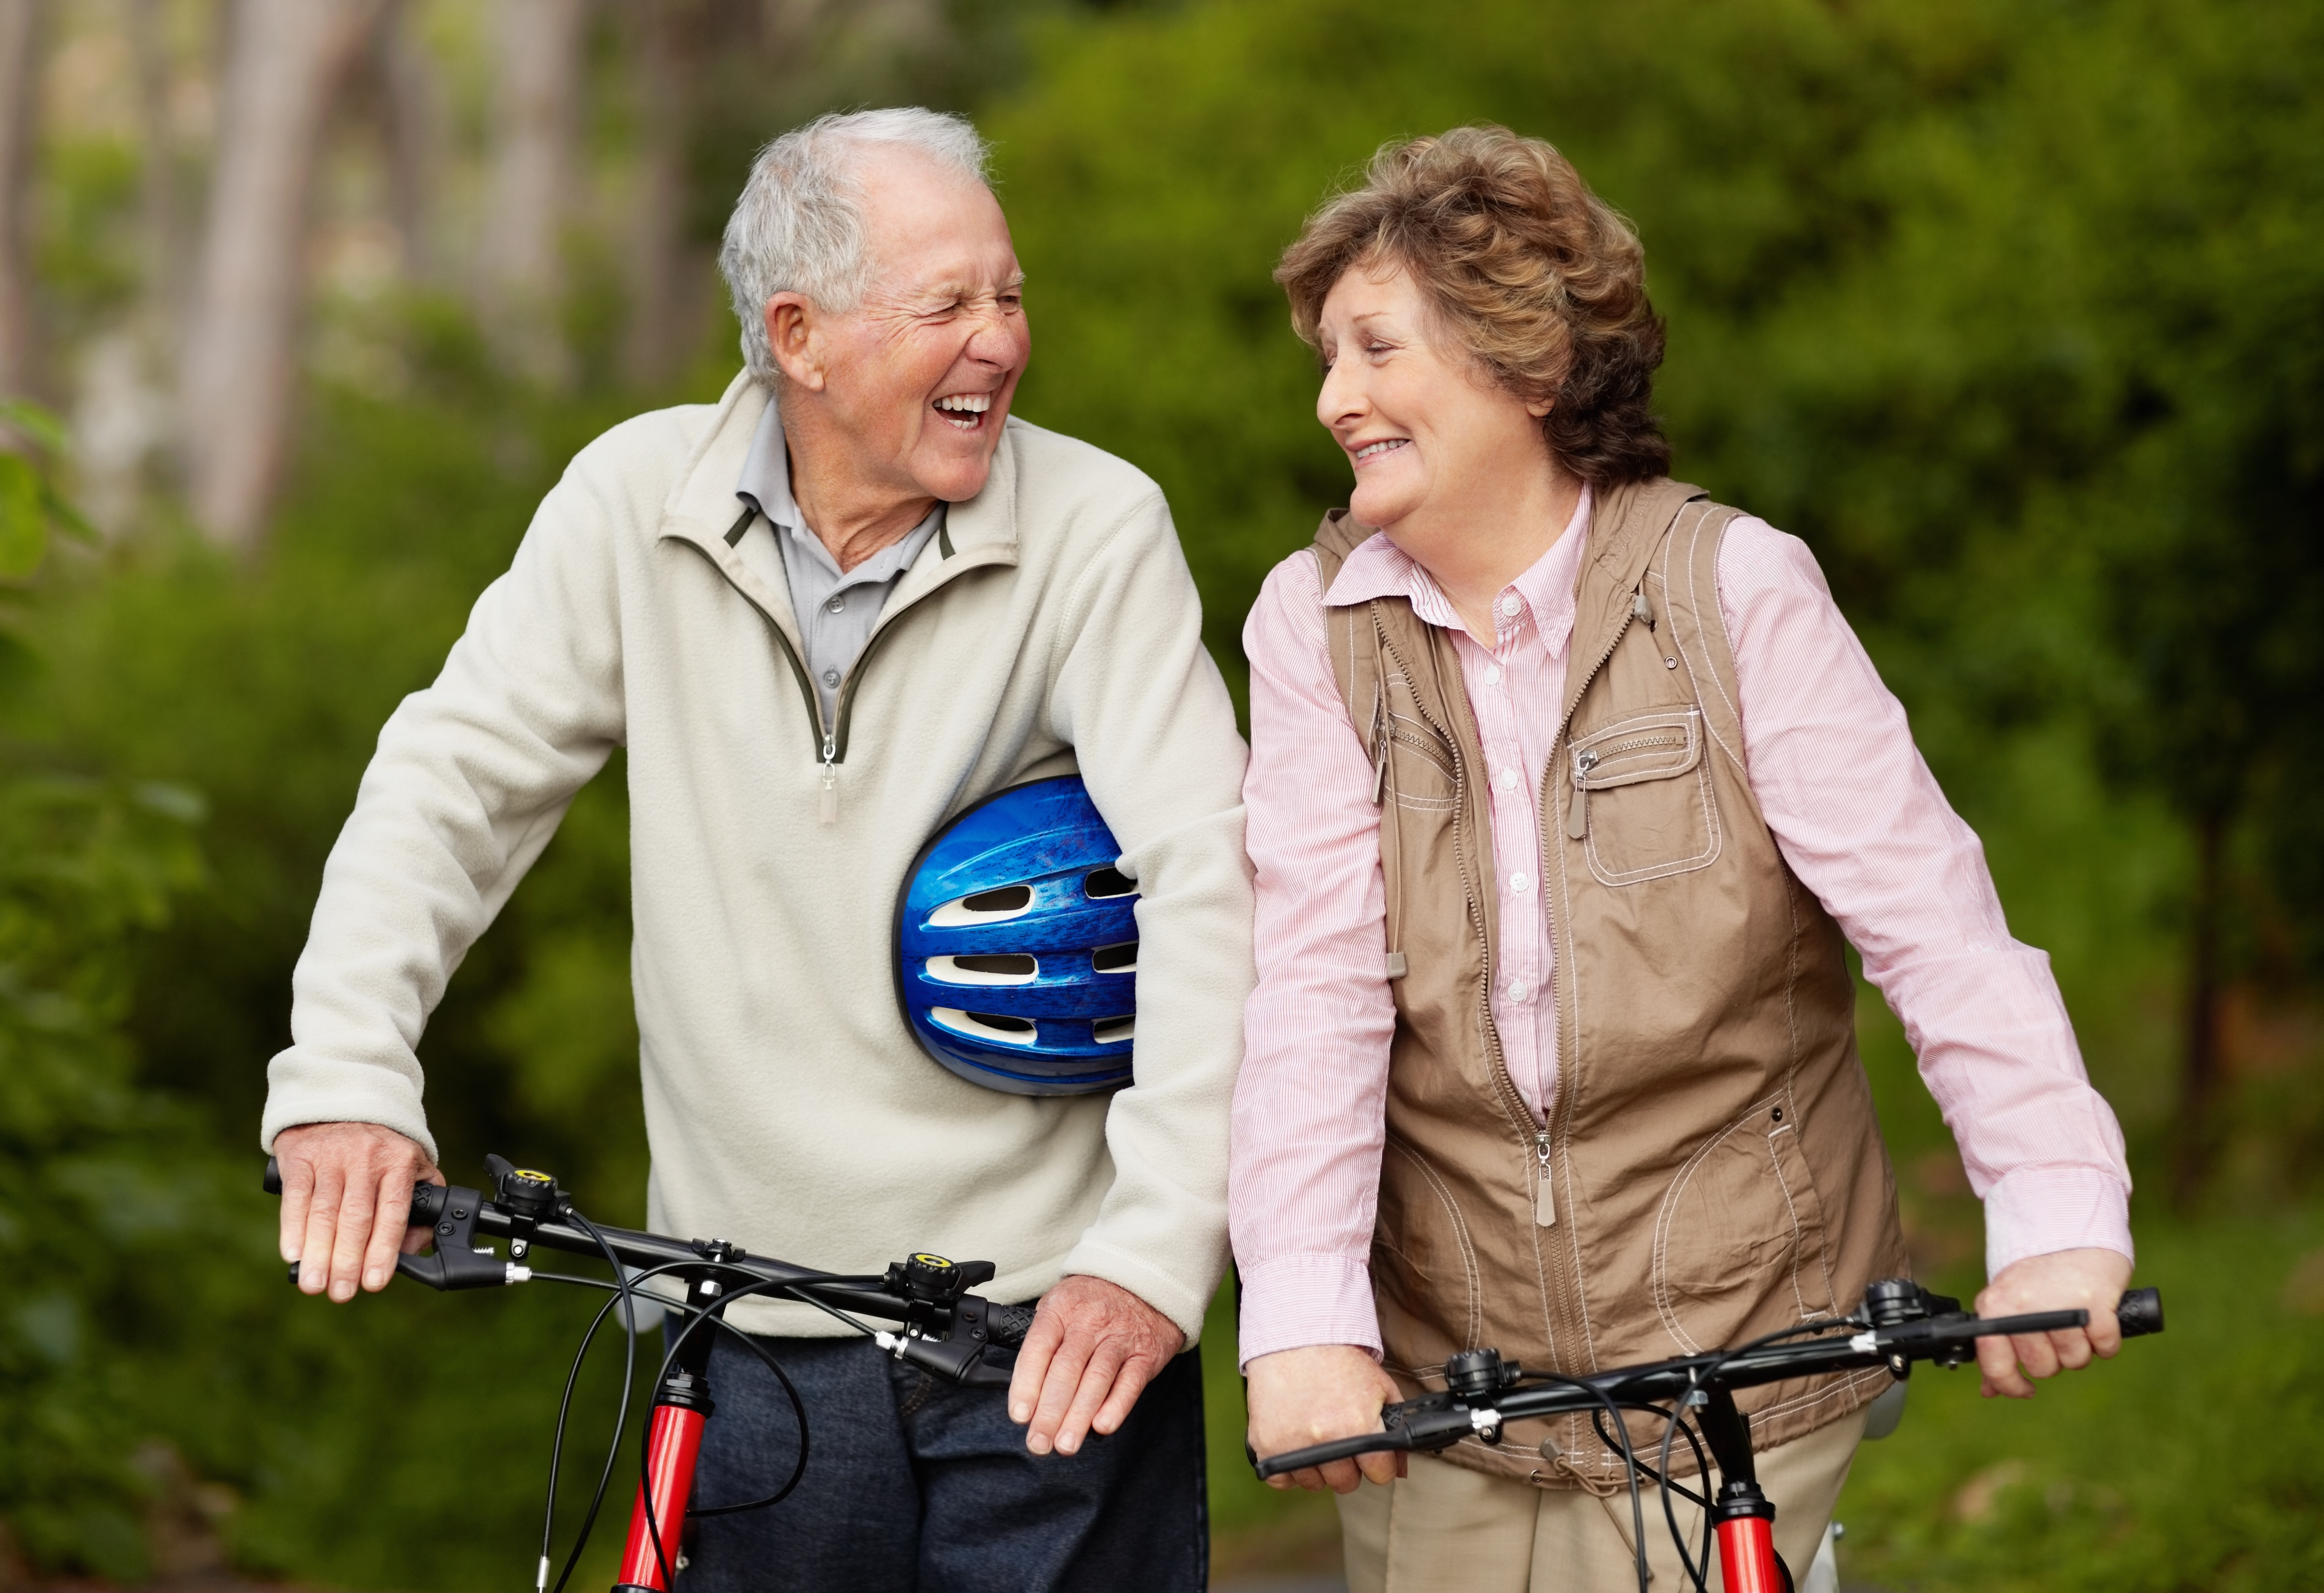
1568, 787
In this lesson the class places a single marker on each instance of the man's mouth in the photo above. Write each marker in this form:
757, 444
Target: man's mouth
1373, 450
964, 411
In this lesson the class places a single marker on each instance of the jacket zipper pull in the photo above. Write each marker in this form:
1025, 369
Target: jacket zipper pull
1577, 815
1544, 1204
1380, 744
830, 810
1640, 610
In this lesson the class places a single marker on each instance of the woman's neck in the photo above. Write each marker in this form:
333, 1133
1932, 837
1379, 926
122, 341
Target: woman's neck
1477, 542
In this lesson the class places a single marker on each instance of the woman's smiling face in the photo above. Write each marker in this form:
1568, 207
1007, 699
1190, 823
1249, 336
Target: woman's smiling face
1423, 424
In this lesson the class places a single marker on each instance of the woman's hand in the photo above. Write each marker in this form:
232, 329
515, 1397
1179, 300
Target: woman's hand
2092, 1280
1314, 1395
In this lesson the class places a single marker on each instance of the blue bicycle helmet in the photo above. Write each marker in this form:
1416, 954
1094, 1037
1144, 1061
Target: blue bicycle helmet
1017, 945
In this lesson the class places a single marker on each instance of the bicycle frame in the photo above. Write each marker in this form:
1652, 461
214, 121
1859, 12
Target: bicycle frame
1900, 1323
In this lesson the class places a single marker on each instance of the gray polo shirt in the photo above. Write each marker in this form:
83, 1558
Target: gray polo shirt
835, 612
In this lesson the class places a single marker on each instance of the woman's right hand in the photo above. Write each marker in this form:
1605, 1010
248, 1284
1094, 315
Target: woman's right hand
1314, 1395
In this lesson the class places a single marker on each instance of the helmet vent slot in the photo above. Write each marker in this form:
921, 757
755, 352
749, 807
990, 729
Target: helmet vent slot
998, 1026
997, 968
993, 906
1116, 960
1112, 1031
1109, 882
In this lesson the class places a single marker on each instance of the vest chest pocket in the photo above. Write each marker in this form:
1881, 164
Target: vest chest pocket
1640, 801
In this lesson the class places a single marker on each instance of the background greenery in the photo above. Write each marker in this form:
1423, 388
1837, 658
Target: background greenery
2014, 311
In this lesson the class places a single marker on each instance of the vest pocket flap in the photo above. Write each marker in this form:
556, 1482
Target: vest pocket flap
1651, 746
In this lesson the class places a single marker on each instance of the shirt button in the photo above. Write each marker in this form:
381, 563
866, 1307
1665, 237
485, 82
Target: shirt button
838, 603
831, 677
1521, 883
1520, 991
1492, 674
1510, 604
1507, 779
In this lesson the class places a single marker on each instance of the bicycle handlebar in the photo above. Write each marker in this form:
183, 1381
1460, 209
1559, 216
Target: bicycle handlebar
1901, 1324
946, 1331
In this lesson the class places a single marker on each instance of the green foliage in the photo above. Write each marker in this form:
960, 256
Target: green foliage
2012, 310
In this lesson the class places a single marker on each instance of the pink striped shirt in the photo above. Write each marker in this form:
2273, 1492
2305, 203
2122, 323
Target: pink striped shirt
1854, 808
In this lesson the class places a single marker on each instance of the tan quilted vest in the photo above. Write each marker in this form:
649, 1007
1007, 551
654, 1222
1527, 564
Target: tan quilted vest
1711, 1170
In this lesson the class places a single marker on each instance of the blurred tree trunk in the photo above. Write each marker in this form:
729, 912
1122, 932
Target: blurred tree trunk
20, 97
240, 362
160, 218
415, 140
535, 93
667, 43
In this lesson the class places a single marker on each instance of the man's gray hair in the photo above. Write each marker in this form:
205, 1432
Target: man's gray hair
799, 227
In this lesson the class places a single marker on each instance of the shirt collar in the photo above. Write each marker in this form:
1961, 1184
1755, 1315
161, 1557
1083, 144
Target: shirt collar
765, 485
1377, 568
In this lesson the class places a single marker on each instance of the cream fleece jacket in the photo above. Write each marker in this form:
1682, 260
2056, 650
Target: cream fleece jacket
787, 1107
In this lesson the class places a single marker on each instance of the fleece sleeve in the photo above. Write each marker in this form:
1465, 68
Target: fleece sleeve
468, 785
1153, 729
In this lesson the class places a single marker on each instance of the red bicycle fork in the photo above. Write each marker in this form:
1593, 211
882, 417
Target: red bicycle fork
656, 1550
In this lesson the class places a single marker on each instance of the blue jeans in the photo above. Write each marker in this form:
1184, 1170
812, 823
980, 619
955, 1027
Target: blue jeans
914, 1484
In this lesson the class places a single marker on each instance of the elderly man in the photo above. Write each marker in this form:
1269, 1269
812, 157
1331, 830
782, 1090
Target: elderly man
824, 614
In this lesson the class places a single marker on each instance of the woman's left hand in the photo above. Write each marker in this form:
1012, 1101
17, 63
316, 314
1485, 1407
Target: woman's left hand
2092, 1280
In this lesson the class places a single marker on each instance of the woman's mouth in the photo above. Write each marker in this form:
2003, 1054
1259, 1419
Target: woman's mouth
1373, 450
964, 411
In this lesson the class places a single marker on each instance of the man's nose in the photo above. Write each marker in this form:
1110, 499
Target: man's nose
992, 339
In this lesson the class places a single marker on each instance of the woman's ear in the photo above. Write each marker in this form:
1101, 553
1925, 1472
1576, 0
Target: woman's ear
792, 337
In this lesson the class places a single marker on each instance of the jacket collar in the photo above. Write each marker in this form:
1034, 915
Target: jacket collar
702, 508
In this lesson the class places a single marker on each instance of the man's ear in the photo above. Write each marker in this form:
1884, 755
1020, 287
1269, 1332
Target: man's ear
794, 339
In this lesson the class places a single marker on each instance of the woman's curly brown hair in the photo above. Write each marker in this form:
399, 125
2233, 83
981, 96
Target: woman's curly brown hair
1539, 277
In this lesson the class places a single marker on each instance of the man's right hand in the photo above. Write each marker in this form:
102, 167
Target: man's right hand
346, 1203
1314, 1395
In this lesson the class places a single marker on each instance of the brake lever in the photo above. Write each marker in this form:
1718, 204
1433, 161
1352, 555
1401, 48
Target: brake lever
457, 1262
977, 1326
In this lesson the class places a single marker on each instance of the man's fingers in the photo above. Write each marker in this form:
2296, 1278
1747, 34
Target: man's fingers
322, 1229
1041, 1342
1108, 1364
297, 1195
1130, 1381
1059, 1388
1384, 1468
358, 1206
1063, 1392
391, 1216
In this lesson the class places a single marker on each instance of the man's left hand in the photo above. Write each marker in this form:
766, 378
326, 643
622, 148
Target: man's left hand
1092, 1348
2093, 1280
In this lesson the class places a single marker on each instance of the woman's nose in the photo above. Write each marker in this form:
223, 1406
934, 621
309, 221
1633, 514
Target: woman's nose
1341, 399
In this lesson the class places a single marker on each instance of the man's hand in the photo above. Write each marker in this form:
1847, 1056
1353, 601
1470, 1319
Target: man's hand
1092, 1348
1314, 1395
346, 1203
2092, 1280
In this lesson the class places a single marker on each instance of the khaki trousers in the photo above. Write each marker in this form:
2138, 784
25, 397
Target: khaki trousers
1445, 1530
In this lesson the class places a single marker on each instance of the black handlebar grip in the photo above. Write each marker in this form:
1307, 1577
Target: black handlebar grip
1009, 1324
272, 1182
2140, 1313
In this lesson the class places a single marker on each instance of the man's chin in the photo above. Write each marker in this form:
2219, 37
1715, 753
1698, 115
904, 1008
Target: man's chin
955, 481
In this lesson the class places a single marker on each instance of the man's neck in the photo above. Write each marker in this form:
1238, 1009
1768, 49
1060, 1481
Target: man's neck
853, 515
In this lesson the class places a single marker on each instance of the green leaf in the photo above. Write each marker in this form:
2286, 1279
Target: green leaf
23, 518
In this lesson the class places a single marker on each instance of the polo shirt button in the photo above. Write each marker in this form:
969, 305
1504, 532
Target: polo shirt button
1511, 602
831, 677
838, 603
1521, 882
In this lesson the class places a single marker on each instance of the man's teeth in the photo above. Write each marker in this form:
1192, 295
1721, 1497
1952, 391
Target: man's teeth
1370, 449
971, 403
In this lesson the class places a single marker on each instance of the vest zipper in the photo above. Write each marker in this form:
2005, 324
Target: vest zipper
1545, 1202
1566, 1286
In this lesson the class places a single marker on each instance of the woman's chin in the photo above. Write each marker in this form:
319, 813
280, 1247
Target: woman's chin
1380, 503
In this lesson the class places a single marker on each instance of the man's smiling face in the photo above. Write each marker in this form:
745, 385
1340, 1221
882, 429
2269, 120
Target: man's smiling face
919, 375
